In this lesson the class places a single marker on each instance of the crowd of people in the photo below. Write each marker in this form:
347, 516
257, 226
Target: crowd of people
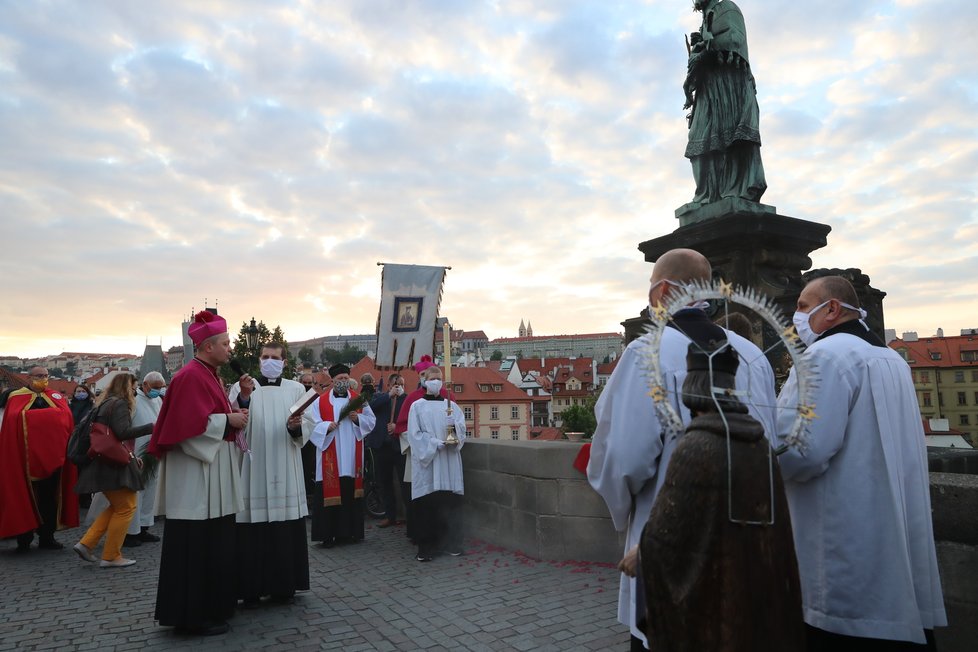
728, 546
233, 472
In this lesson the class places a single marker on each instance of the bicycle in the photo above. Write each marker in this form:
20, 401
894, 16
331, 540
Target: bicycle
373, 500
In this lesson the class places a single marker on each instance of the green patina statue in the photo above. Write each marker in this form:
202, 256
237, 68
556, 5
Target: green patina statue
724, 139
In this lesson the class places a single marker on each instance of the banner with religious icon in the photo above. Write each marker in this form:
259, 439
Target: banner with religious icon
409, 300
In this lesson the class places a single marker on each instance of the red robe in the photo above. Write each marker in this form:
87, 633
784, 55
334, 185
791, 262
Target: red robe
194, 394
32, 447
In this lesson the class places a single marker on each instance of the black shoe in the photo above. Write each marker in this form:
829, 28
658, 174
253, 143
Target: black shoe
283, 599
421, 557
328, 543
50, 544
132, 541
147, 537
23, 548
455, 553
209, 629
251, 603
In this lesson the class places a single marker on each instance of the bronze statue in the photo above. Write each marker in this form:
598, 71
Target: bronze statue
717, 557
724, 137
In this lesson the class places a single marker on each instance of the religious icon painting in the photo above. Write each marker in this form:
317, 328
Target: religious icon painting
407, 314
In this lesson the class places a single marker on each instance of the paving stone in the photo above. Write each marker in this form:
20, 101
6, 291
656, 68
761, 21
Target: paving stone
371, 596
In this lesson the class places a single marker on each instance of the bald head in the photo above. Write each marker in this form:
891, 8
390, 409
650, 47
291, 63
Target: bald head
677, 267
682, 266
833, 287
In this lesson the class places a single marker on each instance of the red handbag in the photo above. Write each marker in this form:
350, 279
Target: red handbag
107, 448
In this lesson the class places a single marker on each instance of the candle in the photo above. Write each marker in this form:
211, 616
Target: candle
448, 354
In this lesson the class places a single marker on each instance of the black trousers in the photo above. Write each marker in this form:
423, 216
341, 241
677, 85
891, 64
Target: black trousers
820, 640
390, 470
438, 526
46, 493
272, 559
341, 522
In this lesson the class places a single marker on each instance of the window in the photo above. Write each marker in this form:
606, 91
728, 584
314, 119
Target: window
940, 399
976, 398
959, 376
494, 412
516, 434
974, 376
483, 388
962, 399
457, 389
935, 355
494, 433
497, 388
467, 411
514, 412
969, 356
964, 420
927, 399
925, 376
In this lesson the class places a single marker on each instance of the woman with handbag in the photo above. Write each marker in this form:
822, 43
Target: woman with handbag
114, 470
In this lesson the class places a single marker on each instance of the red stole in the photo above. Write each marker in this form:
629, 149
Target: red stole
32, 447
331, 467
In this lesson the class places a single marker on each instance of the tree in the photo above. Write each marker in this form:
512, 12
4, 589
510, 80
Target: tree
496, 355
305, 355
71, 367
578, 418
348, 355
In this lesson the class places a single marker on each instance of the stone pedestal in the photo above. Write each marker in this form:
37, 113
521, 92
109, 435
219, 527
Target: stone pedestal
751, 248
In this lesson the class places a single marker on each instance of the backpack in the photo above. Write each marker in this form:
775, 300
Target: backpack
81, 440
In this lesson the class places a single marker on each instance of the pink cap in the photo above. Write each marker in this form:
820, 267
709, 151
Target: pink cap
424, 364
206, 324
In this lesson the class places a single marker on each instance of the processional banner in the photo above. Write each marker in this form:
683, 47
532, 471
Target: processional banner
409, 299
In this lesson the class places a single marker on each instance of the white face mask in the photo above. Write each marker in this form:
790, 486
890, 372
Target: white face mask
271, 368
397, 390
802, 325
433, 386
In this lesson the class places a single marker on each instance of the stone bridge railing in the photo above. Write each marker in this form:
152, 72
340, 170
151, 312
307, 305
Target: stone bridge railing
527, 496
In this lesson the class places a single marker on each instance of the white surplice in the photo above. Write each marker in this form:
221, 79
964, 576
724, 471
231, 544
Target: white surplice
628, 454
860, 496
199, 477
434, 469
271, 474
345, 436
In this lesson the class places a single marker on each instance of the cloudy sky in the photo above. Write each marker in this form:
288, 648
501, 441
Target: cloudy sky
269, 154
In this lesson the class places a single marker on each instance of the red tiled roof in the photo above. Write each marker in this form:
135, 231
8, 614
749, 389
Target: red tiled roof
474, 335
468, 377
546, 434
921, 353
949, 431
606, 368
503, 340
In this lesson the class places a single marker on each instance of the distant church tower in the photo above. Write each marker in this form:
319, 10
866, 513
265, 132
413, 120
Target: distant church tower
522, 329
529, 328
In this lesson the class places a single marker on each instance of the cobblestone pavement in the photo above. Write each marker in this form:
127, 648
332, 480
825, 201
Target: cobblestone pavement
368, 596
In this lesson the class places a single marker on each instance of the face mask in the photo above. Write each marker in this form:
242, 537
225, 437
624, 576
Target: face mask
397, 390
271, 369
154, 393
81, 396
433, 386
341, 386
800, 320
39, 385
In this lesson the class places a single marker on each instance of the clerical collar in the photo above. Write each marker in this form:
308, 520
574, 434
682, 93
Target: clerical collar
431, 397
270, 382
853, 327
346, 395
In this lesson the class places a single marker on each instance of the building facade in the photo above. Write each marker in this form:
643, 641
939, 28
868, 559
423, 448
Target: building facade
600, 346
945, 376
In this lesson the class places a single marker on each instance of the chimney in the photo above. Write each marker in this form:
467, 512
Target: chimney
910, 336
940, 332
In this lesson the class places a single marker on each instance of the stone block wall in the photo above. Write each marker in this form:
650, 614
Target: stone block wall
527, 496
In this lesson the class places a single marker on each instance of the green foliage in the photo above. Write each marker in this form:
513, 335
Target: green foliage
305, 355
578, 418
496, 355
348, 355
249, 359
